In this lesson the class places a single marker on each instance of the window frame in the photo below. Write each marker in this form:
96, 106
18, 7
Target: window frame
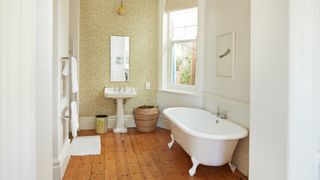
171, 41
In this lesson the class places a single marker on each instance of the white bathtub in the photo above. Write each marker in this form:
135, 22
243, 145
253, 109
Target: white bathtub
209, 140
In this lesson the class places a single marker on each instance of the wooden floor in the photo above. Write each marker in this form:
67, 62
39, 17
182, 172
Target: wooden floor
136, 155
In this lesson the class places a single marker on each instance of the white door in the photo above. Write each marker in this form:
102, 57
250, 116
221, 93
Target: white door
61, 88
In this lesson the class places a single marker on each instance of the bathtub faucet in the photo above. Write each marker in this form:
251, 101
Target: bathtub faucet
223, 116
217, 113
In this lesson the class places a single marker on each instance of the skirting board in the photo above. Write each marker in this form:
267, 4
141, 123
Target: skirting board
163, 122
241, 160
89, 122
60, 165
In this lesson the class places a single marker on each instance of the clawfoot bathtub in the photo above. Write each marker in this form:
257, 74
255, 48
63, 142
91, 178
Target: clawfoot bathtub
207, 139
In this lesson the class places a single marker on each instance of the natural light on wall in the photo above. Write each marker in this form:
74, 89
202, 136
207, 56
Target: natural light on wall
183, 32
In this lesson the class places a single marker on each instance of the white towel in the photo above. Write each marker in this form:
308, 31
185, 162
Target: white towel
74, 75
65, 70
74, 119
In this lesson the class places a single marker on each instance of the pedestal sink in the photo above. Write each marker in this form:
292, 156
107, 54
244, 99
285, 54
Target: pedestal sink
119, 95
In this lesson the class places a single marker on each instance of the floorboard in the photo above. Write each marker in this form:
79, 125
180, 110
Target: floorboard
136, 156
121, 159
110, 170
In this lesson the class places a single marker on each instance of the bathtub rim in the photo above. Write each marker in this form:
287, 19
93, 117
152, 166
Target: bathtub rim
243, 131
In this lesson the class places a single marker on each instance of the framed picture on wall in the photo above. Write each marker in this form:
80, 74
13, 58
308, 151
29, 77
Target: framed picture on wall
225, 55
119, 60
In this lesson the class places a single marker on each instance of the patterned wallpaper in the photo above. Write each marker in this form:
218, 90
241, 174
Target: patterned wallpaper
98, 21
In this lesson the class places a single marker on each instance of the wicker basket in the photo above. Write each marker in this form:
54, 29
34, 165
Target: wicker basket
146, 118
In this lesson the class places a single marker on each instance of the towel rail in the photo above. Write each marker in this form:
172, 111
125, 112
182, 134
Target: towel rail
63, 112
74, 97
64, 58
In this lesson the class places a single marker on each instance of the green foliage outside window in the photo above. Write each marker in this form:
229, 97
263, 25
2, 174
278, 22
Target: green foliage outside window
185, 75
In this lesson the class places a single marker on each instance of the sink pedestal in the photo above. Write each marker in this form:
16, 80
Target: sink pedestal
120, 126
119, 95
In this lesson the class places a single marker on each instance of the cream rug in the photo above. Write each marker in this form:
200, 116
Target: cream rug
85, 145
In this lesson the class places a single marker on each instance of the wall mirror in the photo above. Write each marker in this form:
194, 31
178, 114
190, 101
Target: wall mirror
119, 60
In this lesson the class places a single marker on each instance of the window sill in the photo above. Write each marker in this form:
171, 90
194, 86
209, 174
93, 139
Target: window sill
179, 92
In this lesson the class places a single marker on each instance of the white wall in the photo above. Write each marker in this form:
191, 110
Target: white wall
304, 91
231, 95
269, 90
26, 88
224, 17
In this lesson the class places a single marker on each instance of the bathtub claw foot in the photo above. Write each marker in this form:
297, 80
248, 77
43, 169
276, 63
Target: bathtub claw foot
195, 162
170, 143
232, 167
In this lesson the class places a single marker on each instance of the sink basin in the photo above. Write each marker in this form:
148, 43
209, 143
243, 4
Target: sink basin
119, 95
113, 93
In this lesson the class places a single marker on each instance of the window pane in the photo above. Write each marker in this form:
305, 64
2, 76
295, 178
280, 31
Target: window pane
179, 33
184, 58
179, 20
191, 32
191, 18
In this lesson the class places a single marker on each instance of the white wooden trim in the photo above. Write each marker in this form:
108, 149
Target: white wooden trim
304, 88
163, 122
200, 46
241, 160
183, 40
228, 101
180, 87
60, 165
162, 47
178, 92
89, 122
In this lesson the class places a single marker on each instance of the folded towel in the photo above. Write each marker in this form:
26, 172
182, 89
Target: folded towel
64, 86
74, 119
65, 69
74, 75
